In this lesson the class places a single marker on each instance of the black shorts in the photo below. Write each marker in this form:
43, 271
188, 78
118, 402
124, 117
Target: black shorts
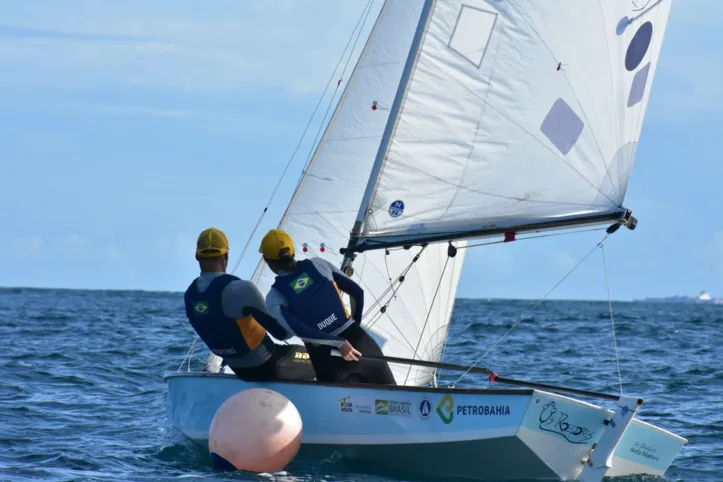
287, 362
331, 368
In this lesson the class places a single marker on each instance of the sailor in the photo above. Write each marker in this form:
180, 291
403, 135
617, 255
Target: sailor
230, 316
306, 298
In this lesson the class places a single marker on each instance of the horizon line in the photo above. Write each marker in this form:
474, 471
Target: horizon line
161, 291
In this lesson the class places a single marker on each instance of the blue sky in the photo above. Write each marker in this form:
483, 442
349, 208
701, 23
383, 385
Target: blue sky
126, 129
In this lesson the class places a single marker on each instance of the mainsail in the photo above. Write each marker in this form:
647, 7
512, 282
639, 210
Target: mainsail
516, 114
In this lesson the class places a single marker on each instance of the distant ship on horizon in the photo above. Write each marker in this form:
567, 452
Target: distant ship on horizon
701, 298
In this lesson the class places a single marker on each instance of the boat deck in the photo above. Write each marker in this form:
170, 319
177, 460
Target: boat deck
369, 386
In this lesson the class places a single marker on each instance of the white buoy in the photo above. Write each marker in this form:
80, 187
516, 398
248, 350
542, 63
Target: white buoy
257, 430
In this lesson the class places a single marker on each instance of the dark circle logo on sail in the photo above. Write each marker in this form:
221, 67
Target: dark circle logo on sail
396, 208
638, 46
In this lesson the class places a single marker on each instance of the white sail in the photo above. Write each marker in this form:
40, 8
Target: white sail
324, 207
515, 113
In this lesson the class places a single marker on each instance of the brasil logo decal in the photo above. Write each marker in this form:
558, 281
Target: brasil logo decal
200, 307
300, 283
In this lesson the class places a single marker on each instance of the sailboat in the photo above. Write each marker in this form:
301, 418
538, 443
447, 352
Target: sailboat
463, 120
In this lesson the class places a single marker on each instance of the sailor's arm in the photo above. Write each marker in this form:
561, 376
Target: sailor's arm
277, 307
242, 298
350, 287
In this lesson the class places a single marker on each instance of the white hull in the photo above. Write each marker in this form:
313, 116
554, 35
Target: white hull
468, 433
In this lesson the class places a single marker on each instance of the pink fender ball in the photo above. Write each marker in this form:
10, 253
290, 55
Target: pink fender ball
257, 430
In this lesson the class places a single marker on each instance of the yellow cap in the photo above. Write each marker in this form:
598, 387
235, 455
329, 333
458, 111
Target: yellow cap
274, 241
211, 243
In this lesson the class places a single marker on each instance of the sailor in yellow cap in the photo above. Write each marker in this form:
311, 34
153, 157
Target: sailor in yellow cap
230, 316
306, 299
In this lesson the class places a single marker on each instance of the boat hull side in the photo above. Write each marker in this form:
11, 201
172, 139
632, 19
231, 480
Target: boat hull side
561, 431
472, 433
645, 449
502, 458
357, 414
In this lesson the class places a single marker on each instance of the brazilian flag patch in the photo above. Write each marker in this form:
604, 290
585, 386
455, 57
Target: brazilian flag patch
301, 283
200, 307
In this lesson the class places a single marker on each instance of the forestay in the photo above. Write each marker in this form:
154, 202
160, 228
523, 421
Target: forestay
324, 207
516, 113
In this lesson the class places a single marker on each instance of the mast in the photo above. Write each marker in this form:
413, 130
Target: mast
388, 131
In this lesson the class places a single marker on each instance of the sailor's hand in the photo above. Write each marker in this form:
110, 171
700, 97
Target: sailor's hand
349, 352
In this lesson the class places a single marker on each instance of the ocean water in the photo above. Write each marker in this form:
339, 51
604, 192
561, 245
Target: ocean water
82, 396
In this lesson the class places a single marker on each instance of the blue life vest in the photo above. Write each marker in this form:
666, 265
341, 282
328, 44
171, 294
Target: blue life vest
226, 337
313, 298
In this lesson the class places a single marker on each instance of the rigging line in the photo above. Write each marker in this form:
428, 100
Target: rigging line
394, 287
386, 265
391, 285
612, 318
377, 299
529, 312
401, 332
417, 275
361, 271
381, 314
384, 307
303, 135
445, 336
429, 312
443, 348
310, 161
253, 232
533, 237
373, 320
188, 355
367, 9
364, 15
360, 24
382, 311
